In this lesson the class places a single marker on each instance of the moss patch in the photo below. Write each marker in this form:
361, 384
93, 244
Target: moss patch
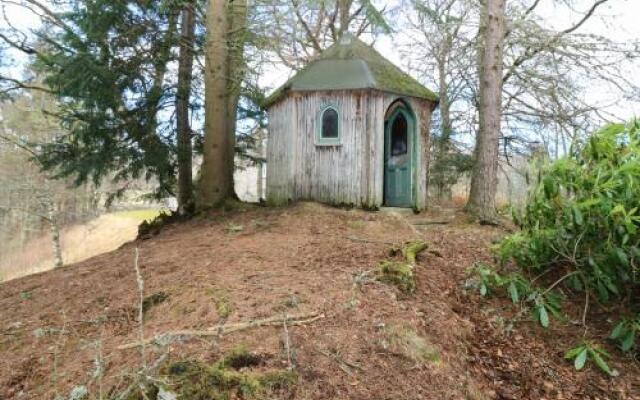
405, 340
359, 224
397, 273
335, 69
291, 302
200, 381
240, 357
149, 228
233, 205
153, 300
400, 273
224, 306
233, 228
144, 392
409, 250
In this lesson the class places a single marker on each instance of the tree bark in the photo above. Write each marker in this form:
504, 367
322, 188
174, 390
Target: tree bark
52, 219
236, 39
216, 179
184, 145
260, 166
444, 144
484, 174
344, 6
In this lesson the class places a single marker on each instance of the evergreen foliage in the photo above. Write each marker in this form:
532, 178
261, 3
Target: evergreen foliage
582, 219
449, 165
108, 66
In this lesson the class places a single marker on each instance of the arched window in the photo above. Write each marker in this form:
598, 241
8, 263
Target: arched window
399, 142
329, 126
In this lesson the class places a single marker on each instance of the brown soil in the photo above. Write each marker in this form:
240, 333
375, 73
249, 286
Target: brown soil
260, 262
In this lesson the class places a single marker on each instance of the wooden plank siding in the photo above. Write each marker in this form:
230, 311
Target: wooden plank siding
351, 173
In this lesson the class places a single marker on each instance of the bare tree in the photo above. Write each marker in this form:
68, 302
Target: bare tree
547, 73
299, 30
440, 49
26, 191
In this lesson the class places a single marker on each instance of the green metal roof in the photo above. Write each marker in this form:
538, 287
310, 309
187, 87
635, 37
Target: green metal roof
352, 64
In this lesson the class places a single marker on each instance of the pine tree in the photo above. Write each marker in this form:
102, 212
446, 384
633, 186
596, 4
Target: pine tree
108, 65
186, 201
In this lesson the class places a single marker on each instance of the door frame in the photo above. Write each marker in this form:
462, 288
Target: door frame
396, 107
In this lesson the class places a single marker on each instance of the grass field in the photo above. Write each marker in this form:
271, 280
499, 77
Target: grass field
138, 215
79, 242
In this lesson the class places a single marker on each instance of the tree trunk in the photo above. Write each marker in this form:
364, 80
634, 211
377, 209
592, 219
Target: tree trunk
236, 39
344, 6
260, 166
444, 144
221, 99
484, 175
52, 219
25, 219
184, 145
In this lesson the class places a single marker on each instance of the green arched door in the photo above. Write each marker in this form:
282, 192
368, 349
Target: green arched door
398, 150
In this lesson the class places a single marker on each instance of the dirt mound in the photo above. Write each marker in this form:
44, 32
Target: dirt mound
61, 330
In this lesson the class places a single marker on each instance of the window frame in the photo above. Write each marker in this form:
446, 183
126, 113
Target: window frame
406, 135
323, 141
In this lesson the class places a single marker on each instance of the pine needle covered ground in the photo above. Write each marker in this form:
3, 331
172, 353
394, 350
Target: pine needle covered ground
333, 331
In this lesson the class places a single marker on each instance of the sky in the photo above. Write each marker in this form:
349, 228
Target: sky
618, 20
620, 23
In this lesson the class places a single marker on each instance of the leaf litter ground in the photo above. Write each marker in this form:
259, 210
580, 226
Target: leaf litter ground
374, 342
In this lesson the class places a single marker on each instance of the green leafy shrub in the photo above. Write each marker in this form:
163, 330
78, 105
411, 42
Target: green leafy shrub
582, 222
589, 351
625, 333
582, 216
521, 291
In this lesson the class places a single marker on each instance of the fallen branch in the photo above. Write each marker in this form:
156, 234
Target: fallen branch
430, 222
292, 320
138, 377
364, 240
287, 342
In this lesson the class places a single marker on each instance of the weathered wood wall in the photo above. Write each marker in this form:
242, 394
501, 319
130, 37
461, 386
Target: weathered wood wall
351, 173
423, 109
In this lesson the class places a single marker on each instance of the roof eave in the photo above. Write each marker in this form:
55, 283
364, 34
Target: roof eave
282, 91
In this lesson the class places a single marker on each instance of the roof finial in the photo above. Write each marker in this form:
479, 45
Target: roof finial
346, 38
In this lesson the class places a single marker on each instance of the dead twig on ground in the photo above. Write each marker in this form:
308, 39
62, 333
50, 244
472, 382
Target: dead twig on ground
138, 377
365, 240
287, 342
140, 282
293, 320
343, 364
430, 222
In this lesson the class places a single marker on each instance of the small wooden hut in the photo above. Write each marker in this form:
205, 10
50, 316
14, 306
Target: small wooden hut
349, 129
